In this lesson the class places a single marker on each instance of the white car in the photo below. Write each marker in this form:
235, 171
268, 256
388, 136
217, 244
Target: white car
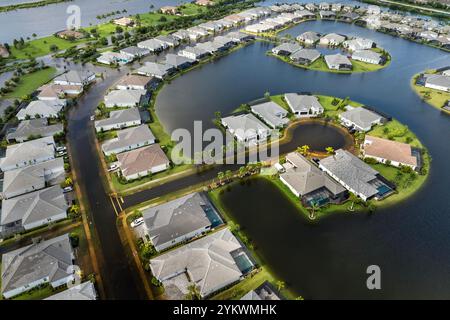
113, 167
61, 148
92, 118
67, 189
137, 222
61, 153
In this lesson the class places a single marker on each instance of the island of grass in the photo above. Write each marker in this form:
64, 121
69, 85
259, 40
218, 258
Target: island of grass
406, 180
320, 64
436, 98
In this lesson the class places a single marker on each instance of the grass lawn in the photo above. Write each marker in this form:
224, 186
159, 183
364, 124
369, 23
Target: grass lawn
190, 9
41, 47
154, 18
38, 294
435, 98
30, 82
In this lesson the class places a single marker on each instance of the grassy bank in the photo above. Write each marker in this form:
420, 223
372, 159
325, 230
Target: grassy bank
28, 5
435, 98
30, 82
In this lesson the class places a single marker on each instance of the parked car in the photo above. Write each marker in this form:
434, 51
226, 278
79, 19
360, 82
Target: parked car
61, 148
137, 222
61, 153
113, 167
67, 189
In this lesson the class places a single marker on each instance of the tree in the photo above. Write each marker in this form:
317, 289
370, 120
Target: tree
228, 175
242, 172
329, 150
280, 285
314, 208
220, 176
53, 48
74, 211
68, 182
193, 293
304, 150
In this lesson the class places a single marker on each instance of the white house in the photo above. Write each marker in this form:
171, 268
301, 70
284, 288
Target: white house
75, 78
119, 119
246, 128
124, 98
437, 81
42, 109
303, 106
129, 139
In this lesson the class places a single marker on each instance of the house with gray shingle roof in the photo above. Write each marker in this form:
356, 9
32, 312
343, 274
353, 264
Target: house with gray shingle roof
178, 62
264, 292
309, 37
355, 175
154, 69
358, 44
34, 128
75, 78
28, 153
34, 209
332, 39
309, 183
239, 37
168, 40
286, 49
305, 56
42, 109
303, 105
124, 98
81, 292
246, 128
48, 261
119, 119
437, 81
210, 263
152, 45
28, 179
135, 52
271, 113
368, 56
338, 62
194, 53
129, 139
360, 119
326, 14
179, 220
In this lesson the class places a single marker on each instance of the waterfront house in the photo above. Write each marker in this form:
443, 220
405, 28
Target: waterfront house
194, 53
35, 209
437, 81
169, 10
265, 291
28, 153
168, 40
158, 70
368, 56
181, 35
178, 62
136, 82
225, 41
211, 47
35, 177
176, 221
129, 139
305, 56
303, 106
327, 15
240, 37
135, 52
119, 119
355, 175
82, 292
246, 128
309, 37
153, 45
360, 119
34, 128
309, 183
286, 49
42, 109
305, 14
338, 62
210, 264
124, 98
75, 78
110, 57
142, 162
271, 113
348, 16
358, 44
54, 92
197, 32
389, 151
47, 261
124, 22
332, 39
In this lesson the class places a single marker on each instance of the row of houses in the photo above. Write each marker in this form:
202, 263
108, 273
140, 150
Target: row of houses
199, 254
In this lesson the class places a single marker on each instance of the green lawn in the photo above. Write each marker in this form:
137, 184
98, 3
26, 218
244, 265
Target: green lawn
154, 18
435, 98
41, 47
394, 130
30, 82
189, 9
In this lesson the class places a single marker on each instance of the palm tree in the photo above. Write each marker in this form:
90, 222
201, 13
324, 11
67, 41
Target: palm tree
242, 172
329, 150
220, 176
280, 285
193, 293
314, 207
304, 150
228, 175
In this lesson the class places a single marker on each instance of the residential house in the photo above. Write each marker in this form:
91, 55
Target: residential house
305, 14
348, 16
360, 119
437, 81
205, 3
70, 35
158, 70
136, 82
110, 57
4, 53
124, 98
194, 53
332, 39
327, 15
271, 113
358, 44
324, 6
309, 37
168, 40
389, 151
309, 183
129, 139
34, 209
179, 220
75, 78
119, 119
124, 22
181, 35
286, 49
54, 92
178, 62
35, 177
246, 128
34, 128
239, 37
355, 175
305, 56
368, 56
48, 261
153, 45
210, 264
224, 41
42, 109
303, 106
264, 292
169, 10
28, 153
82, 292
142, 162
197, 32
338, 62
135, 52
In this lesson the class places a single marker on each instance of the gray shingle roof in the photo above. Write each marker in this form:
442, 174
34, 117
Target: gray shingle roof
366, 54
438, 80
273, 114
361, 117
155, 69
287, 47
302, 103
124, 97
306, 54
176, 61
129, 137
176, 218
119, 116
35, 127
50, 258
83, 291
74, 76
